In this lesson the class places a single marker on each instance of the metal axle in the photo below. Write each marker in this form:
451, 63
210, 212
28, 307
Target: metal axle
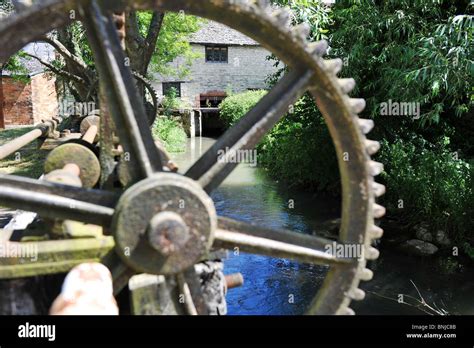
41, 130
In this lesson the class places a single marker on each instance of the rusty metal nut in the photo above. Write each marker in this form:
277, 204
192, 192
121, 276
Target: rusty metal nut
167, 233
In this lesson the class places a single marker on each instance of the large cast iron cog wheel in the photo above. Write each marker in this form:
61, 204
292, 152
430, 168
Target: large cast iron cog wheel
196, 229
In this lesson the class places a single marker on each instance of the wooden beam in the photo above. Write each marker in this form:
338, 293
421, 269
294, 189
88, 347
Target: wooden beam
2, 119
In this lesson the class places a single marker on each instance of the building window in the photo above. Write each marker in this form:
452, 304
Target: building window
169, 86
217, 54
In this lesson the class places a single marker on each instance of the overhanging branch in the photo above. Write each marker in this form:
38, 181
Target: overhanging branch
65, 52
60, 72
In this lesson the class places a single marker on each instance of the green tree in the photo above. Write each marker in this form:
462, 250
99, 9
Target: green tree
153, 39
408, 51
417, 51
299, 149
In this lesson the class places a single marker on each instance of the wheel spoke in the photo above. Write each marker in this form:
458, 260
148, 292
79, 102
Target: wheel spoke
103, 198
125, 106
121, 273
211, 169
277, 243
57, 201
280, 235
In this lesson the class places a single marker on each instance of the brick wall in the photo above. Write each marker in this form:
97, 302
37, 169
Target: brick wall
29, 103
44, 97
17, 106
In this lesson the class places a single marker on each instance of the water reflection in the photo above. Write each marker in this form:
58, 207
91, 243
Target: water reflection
277, 286
272, 286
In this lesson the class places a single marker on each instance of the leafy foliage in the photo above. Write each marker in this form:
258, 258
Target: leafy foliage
408, 51
314, 13
171, 133
292, 150
426, 180
6, 7
237, 105
171, 102
173, 42
401, 50
15, 66
416, 51
299, 150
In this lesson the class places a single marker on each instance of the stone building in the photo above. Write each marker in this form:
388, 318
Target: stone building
31, 98
228, 60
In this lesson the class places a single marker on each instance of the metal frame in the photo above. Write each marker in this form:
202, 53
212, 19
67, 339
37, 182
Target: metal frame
308, 72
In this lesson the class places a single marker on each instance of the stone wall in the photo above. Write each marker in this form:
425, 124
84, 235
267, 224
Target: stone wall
247, 68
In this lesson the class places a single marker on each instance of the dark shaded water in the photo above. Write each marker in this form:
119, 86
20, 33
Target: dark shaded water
277, 286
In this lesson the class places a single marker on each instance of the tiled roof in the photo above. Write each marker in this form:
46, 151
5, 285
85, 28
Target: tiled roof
215, 33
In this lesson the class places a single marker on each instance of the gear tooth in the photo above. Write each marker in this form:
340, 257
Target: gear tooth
302, 30
347, 311
356, 294
376, 232
379, 189
318, 48
334, 66
372, 146
366, 274
283, 16
379, 211
357, 104
375, 168
263, 3
347, 85
365, 125
372, 253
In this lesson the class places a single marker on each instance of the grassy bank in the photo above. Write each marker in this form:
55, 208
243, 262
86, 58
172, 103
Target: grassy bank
28, 161
170, 132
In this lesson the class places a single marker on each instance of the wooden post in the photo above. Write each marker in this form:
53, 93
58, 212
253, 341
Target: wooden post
154, 295
192, 126
2, 115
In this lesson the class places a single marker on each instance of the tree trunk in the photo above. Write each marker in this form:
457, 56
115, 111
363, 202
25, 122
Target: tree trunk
139, 49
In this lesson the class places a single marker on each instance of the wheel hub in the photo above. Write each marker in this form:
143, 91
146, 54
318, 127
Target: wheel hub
164, 224
167, 233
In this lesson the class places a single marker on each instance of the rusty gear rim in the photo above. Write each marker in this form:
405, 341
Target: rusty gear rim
259, 21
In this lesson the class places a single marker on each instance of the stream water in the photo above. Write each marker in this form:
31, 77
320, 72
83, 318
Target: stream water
280, 287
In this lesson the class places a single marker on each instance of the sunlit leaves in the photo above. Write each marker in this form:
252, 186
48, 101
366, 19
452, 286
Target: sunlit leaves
172, 42
408, 50
313, 12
